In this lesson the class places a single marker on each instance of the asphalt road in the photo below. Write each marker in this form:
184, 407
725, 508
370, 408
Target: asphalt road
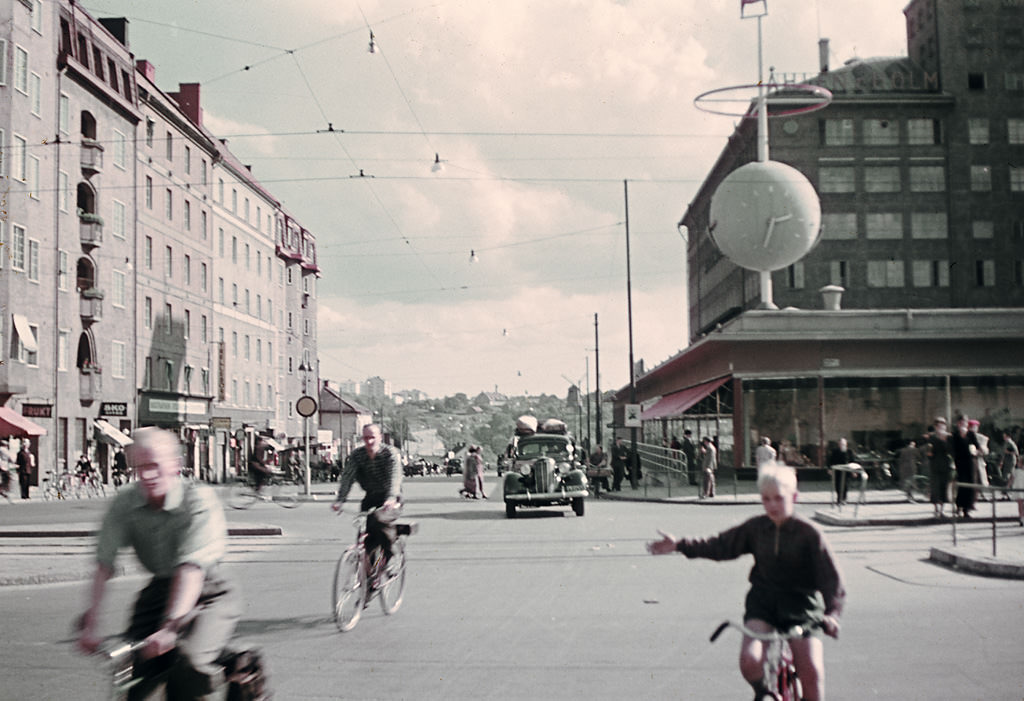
548, 606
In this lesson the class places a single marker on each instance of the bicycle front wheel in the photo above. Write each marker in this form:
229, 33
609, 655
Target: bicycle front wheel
393, 587
349, 591
241, 495
285, 494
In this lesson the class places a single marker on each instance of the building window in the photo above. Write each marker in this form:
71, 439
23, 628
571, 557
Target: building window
18, 242
977, 131
188, 161
245, 347
147, 372
839, 225
234, 344
28, 348
170, 146
205, 374
118, 359
259, 351
21, 70
32, 268
975, 81
202, 224
836, 132
147, 313
924, 132
64, 107
169, 370
188, 215
1015, 130
63, 271
19, 167
120, 150
202, 171
168, 319
928, 225
234, 249
168, 261
188, 323
169, 209
927, 179
884, 225
1014, 82
836, 179
1016, 178
149, 192
981, 179
881, 132
985, 273
202, 277
220, 289
1018, 273
982, 229
202, 329
120, 219
838, 273
885, 273
150, 126
930, 273
187, 270
234, 201
118, 296
234, 294
882, 179
36, 92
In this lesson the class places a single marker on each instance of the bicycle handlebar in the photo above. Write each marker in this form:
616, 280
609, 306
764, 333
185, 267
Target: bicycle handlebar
794, 632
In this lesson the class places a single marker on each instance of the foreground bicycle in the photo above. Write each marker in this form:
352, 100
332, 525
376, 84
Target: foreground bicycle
779, 670
242, 493
361, 575
243, 670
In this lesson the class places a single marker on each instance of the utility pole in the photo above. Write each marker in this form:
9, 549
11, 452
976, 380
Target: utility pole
597, 381
633, 471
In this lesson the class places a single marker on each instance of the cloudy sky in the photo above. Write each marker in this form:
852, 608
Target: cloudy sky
539, 111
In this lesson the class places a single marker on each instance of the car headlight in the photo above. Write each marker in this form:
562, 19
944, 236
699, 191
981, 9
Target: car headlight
564, 468
524, 468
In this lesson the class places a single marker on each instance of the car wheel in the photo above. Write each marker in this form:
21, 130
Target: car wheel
510, 509
577, 505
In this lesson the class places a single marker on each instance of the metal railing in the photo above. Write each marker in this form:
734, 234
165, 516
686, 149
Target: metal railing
992, 498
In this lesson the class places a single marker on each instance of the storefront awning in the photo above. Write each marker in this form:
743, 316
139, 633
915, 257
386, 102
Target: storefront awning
14, 424
676, 403
25, 334
108, 433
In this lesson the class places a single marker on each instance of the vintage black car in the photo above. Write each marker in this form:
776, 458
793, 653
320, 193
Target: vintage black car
545, 471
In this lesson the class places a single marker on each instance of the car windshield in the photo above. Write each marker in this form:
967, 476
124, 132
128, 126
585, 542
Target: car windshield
537, 449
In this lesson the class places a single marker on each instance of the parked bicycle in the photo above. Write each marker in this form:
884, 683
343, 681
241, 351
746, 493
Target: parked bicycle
779, 670
361, 575
59, 486
243, 493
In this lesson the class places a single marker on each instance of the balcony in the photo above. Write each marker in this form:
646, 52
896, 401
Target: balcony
90, 305
90, 229
92, 157
90, 383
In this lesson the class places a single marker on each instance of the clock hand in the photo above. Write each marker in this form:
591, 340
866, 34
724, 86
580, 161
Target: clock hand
772, 221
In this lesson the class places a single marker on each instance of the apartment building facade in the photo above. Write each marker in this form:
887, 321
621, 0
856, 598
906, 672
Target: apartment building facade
146, 277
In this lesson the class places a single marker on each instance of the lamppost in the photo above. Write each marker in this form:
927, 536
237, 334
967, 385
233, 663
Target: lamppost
306, 406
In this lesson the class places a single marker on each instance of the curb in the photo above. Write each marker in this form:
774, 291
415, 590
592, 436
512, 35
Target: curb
986, 566
69, 533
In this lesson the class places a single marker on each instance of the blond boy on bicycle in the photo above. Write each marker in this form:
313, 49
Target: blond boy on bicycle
794, 580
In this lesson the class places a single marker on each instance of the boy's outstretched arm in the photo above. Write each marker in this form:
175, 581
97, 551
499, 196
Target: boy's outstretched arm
666, 545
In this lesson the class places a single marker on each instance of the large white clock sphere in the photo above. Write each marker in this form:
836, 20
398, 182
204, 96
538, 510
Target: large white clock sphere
765, 216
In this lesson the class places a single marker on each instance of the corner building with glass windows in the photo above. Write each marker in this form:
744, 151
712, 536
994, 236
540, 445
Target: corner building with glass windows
148, 277
919, 166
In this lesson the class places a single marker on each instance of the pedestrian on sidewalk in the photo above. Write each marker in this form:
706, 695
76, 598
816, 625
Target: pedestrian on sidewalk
765, 453
842, 456
26, 463
1009, 459
907, 459
980, 457
940, 465
708, 466
620, 455
690, 451
1017, 482
964, 447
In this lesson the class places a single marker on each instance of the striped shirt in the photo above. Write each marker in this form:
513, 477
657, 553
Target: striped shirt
379, 476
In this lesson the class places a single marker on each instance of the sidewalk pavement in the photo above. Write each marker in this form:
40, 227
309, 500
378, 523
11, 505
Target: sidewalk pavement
973, 538
40, 554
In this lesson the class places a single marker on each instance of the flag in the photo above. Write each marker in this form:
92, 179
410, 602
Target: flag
755, 11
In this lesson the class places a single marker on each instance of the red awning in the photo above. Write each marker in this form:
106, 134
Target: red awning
16, 425
676, 403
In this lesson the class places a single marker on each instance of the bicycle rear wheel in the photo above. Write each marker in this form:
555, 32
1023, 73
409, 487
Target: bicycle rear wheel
241, 495
393, 587
349, 591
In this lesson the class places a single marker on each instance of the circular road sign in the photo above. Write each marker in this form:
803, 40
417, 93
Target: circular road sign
306, 406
